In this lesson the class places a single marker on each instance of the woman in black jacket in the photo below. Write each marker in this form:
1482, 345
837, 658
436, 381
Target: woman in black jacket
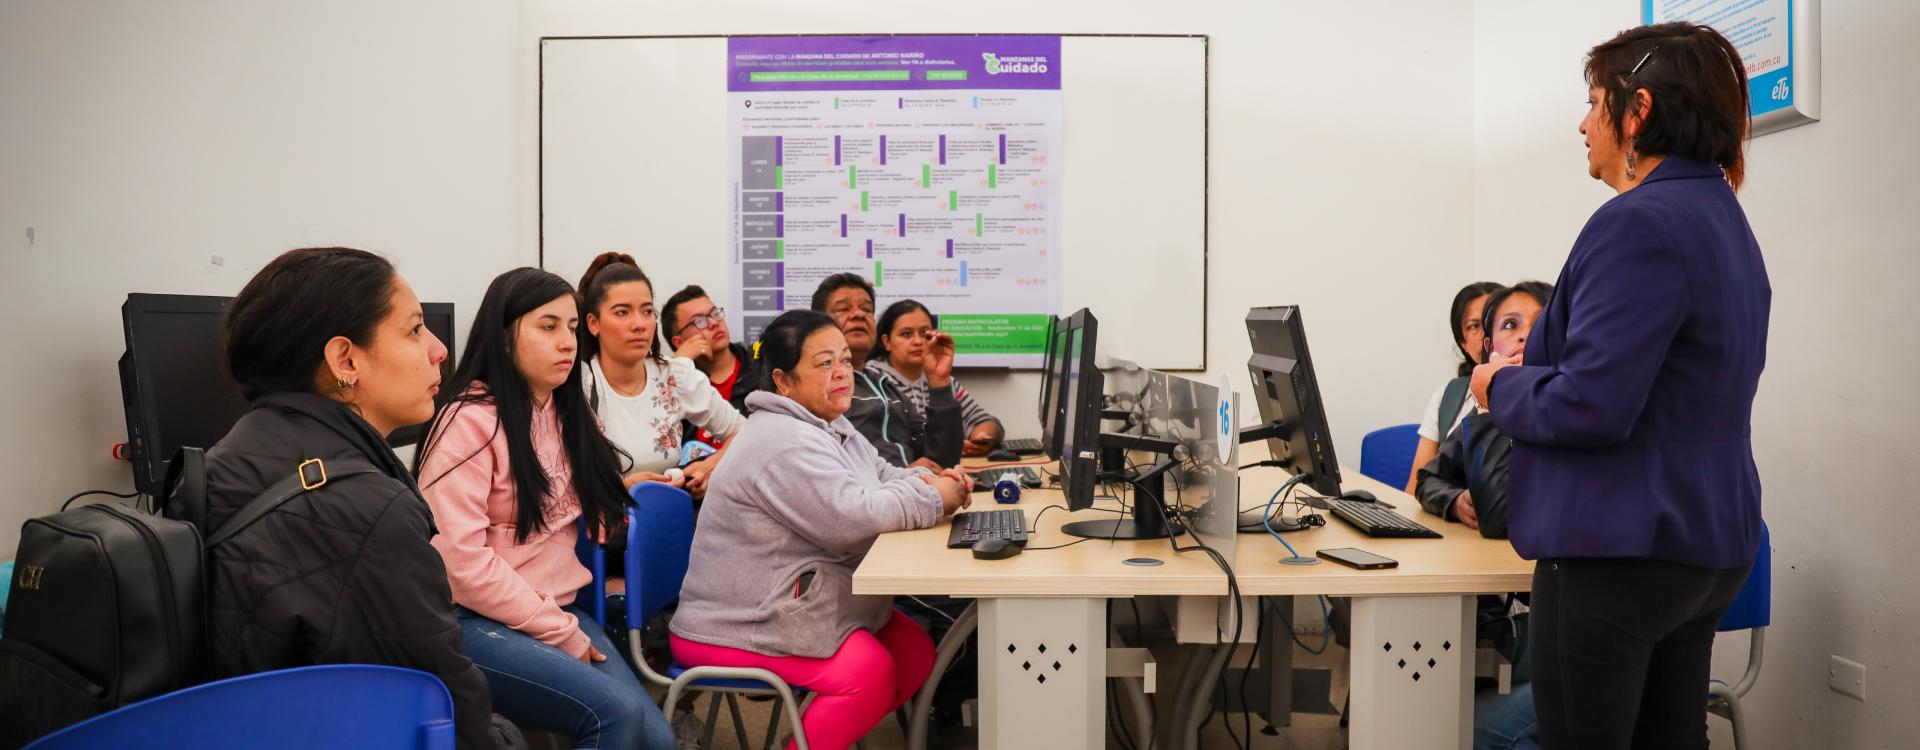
328, 345
1467, 480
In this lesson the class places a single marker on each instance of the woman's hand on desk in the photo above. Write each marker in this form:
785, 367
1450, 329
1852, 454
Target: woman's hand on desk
954, 493
1463, 510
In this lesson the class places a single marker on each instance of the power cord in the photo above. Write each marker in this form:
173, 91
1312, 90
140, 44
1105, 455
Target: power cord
1233, 582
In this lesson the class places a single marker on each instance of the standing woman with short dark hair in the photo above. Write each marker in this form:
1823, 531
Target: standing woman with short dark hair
1633, 482
328, 345
513, 463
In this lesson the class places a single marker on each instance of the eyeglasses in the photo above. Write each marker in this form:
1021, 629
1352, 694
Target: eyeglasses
712, 318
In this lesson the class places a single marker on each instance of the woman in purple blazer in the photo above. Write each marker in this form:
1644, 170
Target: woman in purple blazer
1633, 483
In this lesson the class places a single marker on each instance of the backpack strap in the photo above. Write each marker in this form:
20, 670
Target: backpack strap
311, 475
1450, 404
184, 493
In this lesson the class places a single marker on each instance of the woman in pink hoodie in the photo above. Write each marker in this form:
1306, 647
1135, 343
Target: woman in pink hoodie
513, 462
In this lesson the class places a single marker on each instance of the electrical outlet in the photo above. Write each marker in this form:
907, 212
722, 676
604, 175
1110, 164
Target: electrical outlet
1847, 677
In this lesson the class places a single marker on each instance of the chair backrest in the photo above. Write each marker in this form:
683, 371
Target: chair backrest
1753, 608
1386, 454
659, 537
593, 556
327, 706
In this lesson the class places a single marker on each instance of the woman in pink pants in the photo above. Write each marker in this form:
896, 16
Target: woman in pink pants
788, 516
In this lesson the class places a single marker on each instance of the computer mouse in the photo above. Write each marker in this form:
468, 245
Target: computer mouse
994, 548
1360, 495
1002, 454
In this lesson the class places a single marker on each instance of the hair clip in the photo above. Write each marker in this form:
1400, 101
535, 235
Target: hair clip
1643, 61
756, 350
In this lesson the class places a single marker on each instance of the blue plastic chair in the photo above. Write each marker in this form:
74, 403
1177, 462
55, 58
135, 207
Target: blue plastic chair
327, 706
1751, 610
1386, 454
659, 539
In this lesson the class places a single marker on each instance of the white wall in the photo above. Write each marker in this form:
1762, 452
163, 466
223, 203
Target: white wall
1339, 177
1837, 214
140, 138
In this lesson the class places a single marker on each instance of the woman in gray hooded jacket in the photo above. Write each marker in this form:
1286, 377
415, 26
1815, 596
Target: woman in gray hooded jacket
788, 516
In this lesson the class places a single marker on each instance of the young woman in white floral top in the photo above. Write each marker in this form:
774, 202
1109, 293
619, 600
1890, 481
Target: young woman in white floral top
640, 394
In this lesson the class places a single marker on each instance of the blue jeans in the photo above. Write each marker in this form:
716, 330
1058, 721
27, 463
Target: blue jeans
1505, 722
538, 686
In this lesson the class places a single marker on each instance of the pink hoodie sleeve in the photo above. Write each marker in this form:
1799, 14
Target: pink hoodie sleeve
482, 579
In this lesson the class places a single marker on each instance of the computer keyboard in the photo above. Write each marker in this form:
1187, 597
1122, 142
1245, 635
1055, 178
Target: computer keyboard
1378, 520
973, 526
984, 479
1023, 446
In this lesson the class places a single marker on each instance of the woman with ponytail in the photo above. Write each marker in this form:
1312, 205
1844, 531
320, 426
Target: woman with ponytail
642, 396
512, 463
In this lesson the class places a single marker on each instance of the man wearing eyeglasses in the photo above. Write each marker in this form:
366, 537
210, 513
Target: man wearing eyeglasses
696, 328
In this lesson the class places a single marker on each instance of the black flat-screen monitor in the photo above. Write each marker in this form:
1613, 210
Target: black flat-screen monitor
1052, 408
1078, 420
1287, 393
174, 382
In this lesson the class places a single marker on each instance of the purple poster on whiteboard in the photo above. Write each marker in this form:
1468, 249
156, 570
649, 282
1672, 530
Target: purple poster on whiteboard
874, 63
929, 165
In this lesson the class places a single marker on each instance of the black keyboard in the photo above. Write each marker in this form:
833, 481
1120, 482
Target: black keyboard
1023, 446
1378, 520
974, 526
984, 479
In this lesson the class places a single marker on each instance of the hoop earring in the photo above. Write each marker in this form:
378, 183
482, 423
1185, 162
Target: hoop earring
1631, 160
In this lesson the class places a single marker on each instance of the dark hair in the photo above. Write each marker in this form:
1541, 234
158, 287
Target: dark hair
780, 342
278, 327
894, 313
488, 362
1461, 299
607, 269
1540, 291
670, 312
835, 283
1699, 90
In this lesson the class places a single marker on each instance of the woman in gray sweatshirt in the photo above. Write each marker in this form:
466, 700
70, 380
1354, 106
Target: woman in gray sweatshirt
788, 516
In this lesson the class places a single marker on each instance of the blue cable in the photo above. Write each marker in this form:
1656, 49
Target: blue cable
1266, 519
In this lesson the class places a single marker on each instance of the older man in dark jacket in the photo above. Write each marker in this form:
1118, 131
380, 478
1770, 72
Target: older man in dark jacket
340, 574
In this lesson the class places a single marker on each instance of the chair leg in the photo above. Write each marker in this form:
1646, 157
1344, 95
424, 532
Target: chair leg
773, 726
713, 716
739, 725
1739, 720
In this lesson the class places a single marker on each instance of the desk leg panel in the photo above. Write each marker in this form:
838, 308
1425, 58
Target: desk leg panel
1412, 672
1043, 671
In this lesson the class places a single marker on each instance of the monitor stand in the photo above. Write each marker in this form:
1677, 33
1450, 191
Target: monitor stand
1149, 489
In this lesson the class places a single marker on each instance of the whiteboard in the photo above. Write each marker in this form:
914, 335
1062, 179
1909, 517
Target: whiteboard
633, 158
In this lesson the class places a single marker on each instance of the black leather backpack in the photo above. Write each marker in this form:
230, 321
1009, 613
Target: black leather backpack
108, 605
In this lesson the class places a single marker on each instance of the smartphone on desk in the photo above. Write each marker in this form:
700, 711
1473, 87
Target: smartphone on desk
1358, 559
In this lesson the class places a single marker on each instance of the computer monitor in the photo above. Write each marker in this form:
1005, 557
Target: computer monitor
1288, 396
1082, 402
174, 381
1052, 408
1077, 422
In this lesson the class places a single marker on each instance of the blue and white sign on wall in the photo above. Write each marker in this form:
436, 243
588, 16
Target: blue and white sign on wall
1779, 42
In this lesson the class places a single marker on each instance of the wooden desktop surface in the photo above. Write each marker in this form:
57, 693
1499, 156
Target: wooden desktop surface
1462, 563
918, 562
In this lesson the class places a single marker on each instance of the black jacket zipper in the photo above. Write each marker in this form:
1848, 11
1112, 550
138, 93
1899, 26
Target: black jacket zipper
169, 614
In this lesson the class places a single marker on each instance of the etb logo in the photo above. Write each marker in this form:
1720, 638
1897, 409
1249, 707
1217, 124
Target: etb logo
1781, 90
